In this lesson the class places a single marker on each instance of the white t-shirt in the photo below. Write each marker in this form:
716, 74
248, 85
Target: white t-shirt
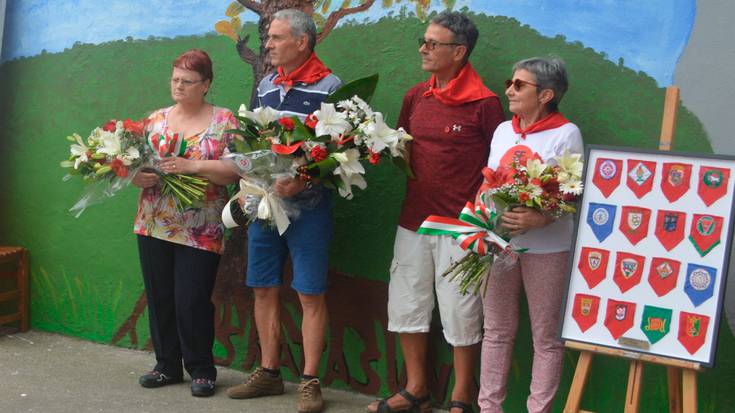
506, 144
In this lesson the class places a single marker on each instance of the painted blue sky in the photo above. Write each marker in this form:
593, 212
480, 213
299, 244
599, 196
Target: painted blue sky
649, 35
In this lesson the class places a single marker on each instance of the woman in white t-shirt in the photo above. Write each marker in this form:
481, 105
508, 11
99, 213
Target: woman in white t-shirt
536, 130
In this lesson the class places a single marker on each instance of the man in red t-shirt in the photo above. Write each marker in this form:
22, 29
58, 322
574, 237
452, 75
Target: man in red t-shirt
452, 118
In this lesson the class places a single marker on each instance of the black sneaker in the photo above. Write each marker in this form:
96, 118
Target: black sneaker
155, 379
202, 387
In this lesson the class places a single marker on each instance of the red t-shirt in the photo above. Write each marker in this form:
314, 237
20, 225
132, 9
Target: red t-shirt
449, 149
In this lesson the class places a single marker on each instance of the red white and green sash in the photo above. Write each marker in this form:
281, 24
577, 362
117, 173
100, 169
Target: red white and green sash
473, 229
168, 144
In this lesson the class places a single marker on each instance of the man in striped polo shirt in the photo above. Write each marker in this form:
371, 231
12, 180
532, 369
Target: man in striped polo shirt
297, 88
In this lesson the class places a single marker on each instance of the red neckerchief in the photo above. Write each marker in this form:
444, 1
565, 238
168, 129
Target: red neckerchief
311, 71
466, 87
551, 121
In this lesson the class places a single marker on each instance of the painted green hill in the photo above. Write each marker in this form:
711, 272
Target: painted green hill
85, 274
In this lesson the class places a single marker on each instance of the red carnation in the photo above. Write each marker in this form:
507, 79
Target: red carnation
287, 123
134, 127
311, 121
119, 168
110, 126
523, 196
374, 157
536, 181
318, 153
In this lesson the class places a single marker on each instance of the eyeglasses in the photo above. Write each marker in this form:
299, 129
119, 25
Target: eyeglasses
518, 84
431, 44
184, 82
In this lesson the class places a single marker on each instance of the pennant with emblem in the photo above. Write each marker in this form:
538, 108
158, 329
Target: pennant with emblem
607, 175
705, 232
700, 283
656, 322
712, 183
628, 270
619, 317
670, 228
601, 218
585, 310
640, 176
634, 223
663, 275
692, 330
593, 265
675, 179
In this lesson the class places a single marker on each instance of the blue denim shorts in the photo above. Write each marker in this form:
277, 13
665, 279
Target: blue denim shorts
306, 239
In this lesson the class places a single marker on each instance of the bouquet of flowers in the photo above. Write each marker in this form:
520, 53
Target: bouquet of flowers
188, 191
107, 160
549, 188
329, 146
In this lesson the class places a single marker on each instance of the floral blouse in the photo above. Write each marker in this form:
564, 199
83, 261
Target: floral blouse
202, 227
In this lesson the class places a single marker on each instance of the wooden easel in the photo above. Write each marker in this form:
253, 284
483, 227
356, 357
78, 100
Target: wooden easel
682, 375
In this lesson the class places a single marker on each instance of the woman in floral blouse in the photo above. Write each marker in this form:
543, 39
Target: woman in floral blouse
180, 249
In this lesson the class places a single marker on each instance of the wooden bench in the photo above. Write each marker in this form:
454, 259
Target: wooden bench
19, 257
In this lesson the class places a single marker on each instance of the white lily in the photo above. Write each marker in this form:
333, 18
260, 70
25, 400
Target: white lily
534, 168
331, 122
110, 144
356, 180
570, 163
130, 155
381, 136
79, 150
263, 115
349, 162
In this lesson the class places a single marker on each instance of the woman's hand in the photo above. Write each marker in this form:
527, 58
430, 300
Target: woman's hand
145, 179
288, 187
521, 219
177, 165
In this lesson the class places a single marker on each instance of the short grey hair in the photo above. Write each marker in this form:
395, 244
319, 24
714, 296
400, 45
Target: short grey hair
464, 29
301, 24
550, 73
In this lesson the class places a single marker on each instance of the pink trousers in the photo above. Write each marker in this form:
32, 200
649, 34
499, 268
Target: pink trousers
543, 277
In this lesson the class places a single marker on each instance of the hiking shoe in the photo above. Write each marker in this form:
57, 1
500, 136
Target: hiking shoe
310, 396
202, 387
155, 378
259, 384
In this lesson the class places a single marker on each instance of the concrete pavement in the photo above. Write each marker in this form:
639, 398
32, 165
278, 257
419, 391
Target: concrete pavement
42, 372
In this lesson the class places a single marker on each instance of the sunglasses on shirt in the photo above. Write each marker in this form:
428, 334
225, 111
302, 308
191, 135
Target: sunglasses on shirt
518, 84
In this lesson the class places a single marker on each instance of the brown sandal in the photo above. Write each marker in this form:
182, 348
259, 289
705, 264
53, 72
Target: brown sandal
415, 407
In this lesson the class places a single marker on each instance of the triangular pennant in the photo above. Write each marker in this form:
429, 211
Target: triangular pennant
585, 310
634, 223
712, 183
607, 175
640, 176
619, 317
663, 275
675, 179
670, 228
601, 218
705, 232
700, 283
593, 265
692, 330
628, 270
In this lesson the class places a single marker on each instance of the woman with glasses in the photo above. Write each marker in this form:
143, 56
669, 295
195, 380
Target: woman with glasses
179, 246
537, 130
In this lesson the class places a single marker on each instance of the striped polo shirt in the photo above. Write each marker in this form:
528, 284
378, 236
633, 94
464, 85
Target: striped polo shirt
301, 100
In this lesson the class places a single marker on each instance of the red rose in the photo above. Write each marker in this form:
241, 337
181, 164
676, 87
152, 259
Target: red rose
287, 123
536, 181
551, 186
311, 121
523, 196
134, 127
318, 153
374, 157
110, 126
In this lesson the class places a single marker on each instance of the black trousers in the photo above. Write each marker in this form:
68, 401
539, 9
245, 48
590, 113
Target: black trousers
178, 283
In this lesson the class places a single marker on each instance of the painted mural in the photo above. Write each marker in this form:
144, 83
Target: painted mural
60, 75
